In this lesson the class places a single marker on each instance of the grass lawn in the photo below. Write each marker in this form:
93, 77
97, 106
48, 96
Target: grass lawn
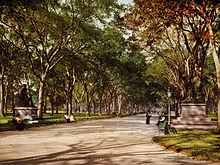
201, 144
7, 124
213, 116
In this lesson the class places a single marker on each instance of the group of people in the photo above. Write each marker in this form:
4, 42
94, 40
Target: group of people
69, 119
21, 122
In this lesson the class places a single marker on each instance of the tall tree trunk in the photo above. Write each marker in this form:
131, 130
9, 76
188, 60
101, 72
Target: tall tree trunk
206, 92
57, 109
79, 107
76, 105
40, 100
87, 101
93, 106
89, 96
119, 104
109, 106
115, 104
100, 102
79, 100
6, 98
52, 105
88, 108
126, 106
6, 103
45, 104
70, 103
51, 97
13, 103
71, 83
67, 107
217, 67
176, 107
106, 106
2, 92
100, 106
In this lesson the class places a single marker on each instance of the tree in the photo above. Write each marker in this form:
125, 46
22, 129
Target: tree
197, 21
54, 86
210, 86
38, 39
209, 12
45, 28
10, 72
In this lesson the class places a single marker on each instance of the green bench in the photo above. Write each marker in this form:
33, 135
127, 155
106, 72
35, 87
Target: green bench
163, 126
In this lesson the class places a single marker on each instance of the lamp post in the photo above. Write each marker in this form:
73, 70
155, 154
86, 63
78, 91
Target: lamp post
169, 94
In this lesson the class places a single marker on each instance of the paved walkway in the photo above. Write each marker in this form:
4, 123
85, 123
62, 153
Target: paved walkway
118, 141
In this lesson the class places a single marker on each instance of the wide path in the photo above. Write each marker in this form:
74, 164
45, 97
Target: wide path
118, 141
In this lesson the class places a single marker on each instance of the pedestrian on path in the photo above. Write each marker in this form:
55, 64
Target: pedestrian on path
148, 116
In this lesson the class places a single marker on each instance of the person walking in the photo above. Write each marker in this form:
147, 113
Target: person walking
148, 116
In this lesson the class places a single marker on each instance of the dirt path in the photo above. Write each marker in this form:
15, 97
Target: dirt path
118, 141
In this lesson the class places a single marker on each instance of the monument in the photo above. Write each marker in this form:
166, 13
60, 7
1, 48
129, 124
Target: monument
24, 105
193, 114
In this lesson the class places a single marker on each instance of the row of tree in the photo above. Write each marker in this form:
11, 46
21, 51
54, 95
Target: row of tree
74, 52
184, 33
69, 52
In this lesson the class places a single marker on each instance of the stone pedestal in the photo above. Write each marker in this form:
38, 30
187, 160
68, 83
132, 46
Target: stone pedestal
193, 116
32, 111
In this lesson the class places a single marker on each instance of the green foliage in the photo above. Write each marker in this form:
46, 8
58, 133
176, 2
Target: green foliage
209, 78
155, 79
56, 39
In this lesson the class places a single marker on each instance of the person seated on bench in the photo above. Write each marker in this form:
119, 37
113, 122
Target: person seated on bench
20, 125
160, 120
69, 119
162, 126
27, 118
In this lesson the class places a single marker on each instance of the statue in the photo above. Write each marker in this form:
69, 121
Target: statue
24, 105
195, 94
23, 99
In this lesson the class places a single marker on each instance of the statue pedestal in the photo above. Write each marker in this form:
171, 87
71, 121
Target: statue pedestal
193, 116
32, 111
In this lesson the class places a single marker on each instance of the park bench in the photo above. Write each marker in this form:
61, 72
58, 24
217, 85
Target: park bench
163, 126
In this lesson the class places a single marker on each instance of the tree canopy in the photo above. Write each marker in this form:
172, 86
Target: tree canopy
182, 33
69, 49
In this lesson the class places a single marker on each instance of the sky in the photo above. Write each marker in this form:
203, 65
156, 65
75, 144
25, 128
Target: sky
125, 1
